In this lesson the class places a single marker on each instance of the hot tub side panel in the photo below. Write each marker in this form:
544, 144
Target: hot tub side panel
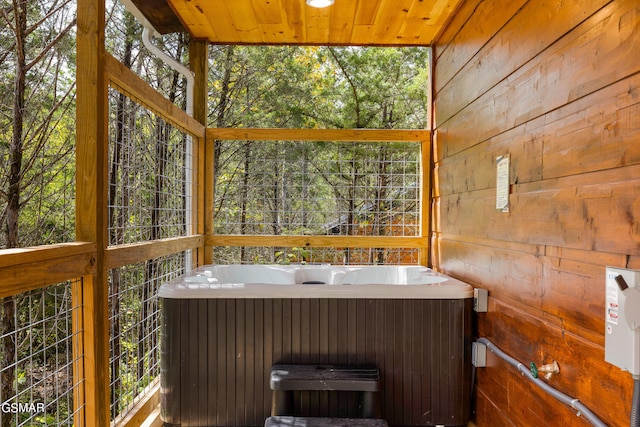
216, 372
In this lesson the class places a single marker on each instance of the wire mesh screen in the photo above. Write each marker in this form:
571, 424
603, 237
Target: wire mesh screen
38, 351
317, 188
334, 256
134, 319
150, 172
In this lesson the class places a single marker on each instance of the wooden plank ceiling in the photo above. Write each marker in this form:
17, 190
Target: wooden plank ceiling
347, 22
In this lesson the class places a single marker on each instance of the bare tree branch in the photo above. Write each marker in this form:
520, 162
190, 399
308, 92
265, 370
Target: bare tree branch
49, 46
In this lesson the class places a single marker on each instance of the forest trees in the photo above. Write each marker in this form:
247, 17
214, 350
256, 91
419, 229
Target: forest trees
295, 87
276, 188
37, 53
37, 60
145, 202
290, 187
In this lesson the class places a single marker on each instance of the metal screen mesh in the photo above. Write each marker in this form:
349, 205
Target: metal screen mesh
334, 256
150, 198
37, 357
149, 174
317, 188
134, 320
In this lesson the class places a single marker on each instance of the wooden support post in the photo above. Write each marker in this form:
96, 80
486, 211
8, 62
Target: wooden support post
426, 151
199, 60
425, 201
91, 196
78, 351
209, 174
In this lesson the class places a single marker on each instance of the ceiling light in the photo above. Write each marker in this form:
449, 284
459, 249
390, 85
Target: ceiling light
320, 3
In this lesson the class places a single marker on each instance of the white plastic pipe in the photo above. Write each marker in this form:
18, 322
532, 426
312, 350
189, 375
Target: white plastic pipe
147, 35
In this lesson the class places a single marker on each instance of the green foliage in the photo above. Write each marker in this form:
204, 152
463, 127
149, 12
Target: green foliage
44, 134
319, 87
292, 255
303, 188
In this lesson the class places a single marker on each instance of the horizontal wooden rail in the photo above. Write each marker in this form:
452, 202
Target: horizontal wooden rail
353, 135
138, 88
18, 256
25, 269
319, 241
117, 256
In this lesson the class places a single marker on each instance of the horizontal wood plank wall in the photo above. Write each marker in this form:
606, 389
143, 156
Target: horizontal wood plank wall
556, 86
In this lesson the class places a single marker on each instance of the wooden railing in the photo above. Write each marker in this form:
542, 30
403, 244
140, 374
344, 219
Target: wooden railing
25, 269
96, 71
30, 269
419, 242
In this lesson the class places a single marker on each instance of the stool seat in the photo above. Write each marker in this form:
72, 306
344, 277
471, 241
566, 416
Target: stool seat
285, 421
364, 379
325, 377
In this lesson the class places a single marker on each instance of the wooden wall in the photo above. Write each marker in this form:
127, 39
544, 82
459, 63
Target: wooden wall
556, 86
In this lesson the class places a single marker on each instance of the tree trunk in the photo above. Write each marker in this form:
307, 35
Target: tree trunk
244, 195
147, 339
382, 220
16, 147
8, 326
117, 222
223, 105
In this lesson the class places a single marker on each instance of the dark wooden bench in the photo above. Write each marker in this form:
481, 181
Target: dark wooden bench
284, 421
285, 379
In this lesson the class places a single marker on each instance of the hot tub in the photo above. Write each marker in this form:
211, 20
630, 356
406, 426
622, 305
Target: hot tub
224, 326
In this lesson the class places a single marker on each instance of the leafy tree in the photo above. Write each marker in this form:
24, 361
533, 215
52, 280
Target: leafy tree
311, 87
36, 145
36, 137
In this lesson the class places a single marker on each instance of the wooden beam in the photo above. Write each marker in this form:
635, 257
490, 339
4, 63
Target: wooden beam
30, 275
118, 256
363, 135
209, 200
198, 61
318, 241
160, 15
91, 206
425, 199
78, 352
21, 256
96, 353
139, 89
